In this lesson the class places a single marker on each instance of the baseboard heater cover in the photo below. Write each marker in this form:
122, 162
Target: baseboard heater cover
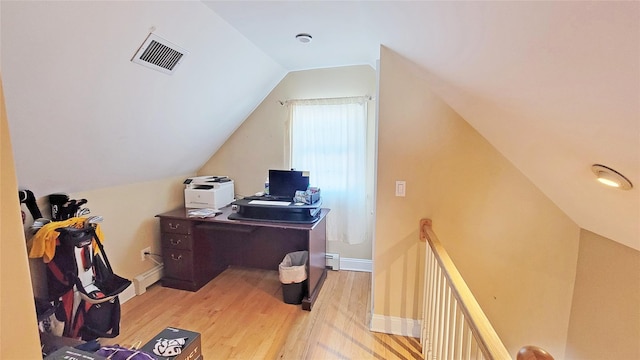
333, 261
147, 278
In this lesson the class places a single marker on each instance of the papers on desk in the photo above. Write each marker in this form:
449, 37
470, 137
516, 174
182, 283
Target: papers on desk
271, 203
203, 213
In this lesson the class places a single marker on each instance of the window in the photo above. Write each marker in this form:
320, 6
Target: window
329, 139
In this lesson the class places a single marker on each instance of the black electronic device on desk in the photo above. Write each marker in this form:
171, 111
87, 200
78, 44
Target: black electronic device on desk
284, 211
284, 183
278, 205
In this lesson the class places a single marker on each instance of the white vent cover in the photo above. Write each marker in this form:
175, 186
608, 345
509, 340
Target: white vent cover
159, 54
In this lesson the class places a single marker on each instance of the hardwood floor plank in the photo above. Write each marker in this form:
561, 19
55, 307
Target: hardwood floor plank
241, 315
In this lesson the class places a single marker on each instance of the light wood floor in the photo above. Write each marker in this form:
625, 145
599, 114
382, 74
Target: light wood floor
240, 315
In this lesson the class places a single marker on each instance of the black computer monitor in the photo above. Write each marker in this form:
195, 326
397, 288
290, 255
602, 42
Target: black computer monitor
285, 183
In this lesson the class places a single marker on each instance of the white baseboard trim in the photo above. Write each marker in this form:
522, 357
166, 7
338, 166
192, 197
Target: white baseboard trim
395, 325
128, 294
356, 264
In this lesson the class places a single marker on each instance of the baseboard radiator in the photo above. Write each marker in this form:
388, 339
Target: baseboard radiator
453, 325
333, 261
147, 278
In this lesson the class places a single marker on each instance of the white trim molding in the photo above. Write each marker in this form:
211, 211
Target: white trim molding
352, 264
128, 294
395, 325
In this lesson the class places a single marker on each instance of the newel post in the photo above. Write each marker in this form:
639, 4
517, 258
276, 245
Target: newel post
424, 225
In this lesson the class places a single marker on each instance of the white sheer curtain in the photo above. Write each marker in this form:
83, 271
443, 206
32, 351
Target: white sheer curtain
329, 139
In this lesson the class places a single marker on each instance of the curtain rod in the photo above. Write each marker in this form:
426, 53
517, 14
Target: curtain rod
365, 97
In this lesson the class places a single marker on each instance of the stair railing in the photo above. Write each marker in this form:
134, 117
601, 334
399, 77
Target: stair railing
453, 326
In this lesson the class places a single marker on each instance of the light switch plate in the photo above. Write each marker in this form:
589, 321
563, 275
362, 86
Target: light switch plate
401, 188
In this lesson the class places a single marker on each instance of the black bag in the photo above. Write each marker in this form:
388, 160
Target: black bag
83, 281
74, 249
101, 320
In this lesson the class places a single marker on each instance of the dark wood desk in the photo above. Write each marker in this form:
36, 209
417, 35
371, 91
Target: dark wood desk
196, 250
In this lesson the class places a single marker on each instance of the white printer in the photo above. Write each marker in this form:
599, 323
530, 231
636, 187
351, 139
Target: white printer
208, 192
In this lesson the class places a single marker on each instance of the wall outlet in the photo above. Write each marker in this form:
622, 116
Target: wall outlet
143, 257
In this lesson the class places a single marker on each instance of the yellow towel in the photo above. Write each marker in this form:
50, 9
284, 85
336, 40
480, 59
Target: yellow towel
43, 243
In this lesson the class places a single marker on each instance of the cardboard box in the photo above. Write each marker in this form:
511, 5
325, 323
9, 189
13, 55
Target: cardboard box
69, 353
191, 350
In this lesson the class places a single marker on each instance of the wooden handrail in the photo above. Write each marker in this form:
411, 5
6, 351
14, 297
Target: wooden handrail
531, 352
488, 340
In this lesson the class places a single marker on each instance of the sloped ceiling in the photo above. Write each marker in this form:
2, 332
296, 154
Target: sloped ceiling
83, 116
555, 86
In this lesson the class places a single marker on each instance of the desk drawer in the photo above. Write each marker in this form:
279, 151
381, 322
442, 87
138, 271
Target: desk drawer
175, 226
177, 241
178, 264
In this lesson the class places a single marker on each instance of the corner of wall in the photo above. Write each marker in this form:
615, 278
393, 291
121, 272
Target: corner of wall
16, 296
605, 321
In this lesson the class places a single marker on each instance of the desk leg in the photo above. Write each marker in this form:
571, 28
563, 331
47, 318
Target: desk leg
308, 301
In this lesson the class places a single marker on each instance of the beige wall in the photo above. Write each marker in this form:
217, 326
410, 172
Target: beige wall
514, 247
18, 339
605, 315
260, 143
129, 223
129, 219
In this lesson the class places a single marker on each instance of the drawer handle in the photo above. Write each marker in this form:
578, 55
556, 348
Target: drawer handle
173, 256
175, 242
174, 227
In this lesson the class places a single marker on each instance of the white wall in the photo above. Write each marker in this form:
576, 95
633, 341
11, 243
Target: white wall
83, 116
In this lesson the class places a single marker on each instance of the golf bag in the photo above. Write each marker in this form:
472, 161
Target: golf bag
63, 208
26, 197
80, 277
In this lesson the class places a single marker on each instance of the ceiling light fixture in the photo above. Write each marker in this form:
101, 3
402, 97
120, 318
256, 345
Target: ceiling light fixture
304, 38
610, 177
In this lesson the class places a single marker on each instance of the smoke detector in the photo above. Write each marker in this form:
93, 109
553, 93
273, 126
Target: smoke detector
304, 38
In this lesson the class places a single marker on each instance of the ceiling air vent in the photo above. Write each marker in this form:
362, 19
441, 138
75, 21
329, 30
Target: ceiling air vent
159, 54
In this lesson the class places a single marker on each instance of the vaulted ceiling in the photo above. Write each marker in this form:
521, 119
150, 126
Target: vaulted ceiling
554, 86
